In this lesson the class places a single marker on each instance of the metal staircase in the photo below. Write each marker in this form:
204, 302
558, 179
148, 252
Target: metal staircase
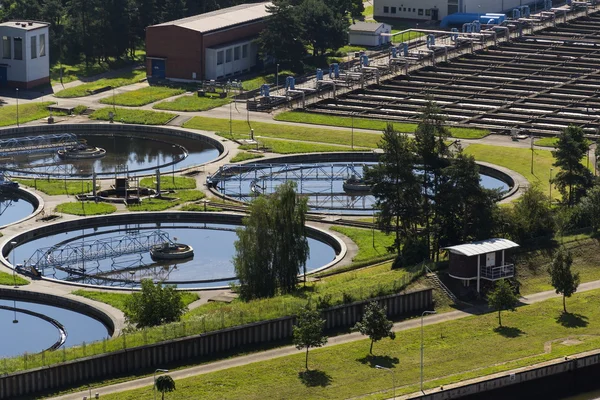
432, 276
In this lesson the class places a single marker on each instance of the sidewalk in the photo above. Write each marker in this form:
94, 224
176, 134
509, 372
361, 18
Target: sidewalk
289, 350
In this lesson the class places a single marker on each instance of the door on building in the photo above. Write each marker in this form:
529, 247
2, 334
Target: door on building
435, 14
158, 68
3, 76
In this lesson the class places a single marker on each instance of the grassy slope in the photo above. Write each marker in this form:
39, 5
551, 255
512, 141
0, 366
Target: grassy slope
54, 187
124, 79
85, 208
455, 351
364, 240
117, 300
191, 103
367, 123
132, 116
141, 97
170, 182
27, 112
9, 280
245, 156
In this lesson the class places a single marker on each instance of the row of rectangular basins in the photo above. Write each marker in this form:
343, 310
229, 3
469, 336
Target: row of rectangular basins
541, 83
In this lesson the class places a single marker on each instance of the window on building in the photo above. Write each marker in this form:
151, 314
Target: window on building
386, 9
6, 47
404, 9
428, 12
420, 11
236, 53
245, 51
219, 57
42, 45
228, 53
33, 47
18, 48
414, 10
393, 10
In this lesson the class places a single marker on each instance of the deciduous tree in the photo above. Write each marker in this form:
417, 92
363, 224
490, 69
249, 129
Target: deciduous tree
375, 324
564, 280
164, 384
502, 297
308, 331
154, 305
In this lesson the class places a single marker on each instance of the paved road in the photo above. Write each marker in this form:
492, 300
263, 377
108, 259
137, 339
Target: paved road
289, 350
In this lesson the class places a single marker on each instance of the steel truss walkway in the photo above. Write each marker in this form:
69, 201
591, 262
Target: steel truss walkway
36, 144
82, 252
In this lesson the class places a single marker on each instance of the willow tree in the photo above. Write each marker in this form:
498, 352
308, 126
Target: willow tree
272, 248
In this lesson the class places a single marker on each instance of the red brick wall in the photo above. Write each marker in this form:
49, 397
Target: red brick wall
184, 48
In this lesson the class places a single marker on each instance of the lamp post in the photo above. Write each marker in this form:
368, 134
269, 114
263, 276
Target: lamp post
277, 79
17, 89
113, 90
551, 169
173, 164
393, 378
15, 320
14, 265
352, 134
155, 371
422, 315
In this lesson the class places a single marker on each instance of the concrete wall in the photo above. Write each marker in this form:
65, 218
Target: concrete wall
191, 349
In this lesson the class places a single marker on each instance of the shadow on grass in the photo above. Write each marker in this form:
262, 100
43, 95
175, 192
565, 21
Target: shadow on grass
508, 331
383, 361
312, 378
572, 320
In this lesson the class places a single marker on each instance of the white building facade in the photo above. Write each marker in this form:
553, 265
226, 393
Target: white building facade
230, 59
435, 10
25, 51
368, 34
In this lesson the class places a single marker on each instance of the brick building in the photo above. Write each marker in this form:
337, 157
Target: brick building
213, 45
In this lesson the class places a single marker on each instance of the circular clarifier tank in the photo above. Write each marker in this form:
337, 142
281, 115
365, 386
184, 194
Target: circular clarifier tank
119, 255
135, 151
14, 207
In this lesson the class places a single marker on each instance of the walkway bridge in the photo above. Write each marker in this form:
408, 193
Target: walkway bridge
36, 144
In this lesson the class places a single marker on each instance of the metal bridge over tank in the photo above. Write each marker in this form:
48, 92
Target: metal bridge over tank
246, 181
36, 144
75, 253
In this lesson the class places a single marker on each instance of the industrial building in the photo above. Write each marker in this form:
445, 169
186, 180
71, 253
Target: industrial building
368, 34
25, 54
436, 10
213, 45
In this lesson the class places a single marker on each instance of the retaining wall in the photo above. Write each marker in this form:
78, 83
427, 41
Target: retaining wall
193, 348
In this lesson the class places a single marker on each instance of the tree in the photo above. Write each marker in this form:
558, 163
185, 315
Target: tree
396, 187
502, 297
272, 248
573, 178
357, 9
154, 305
375, 324
323, 27
282, 37
164, 384
308, 331
531, 217
588, 209
564, 281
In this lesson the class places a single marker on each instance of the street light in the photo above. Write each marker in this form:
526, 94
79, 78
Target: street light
422, 315
277, 79
17, 89
352, 135
551, 169
155, 371
15, 321
173, 164
14, 265
393, 378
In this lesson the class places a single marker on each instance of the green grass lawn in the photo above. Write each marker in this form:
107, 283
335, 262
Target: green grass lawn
454, 351
245, 156
271, 78
547, 142
143, 96
7, 279
368, 13
132, 116
178, 198
170, 182
85, 208
27, 112
192, 103
519, 160
117, 300
280, 131
367, 123
54, 187
364, 239
126, 78
290, 147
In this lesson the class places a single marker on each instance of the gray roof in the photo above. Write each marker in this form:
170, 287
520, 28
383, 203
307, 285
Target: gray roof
360, 26
482, 247
223, 18
25, 24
